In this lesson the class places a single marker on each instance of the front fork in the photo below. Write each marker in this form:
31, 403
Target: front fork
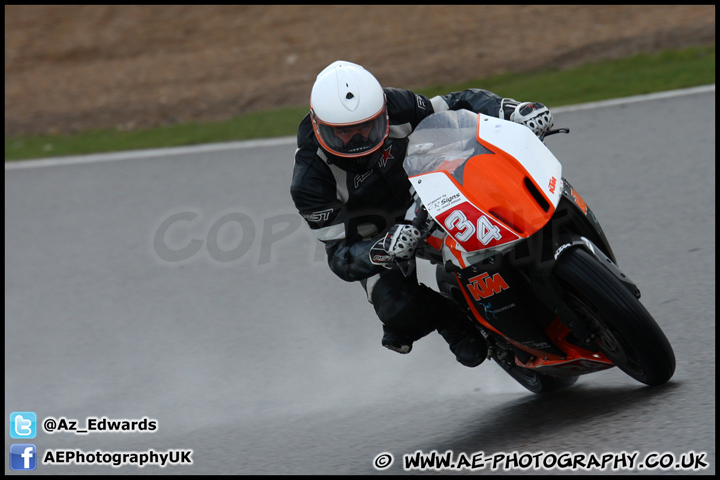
551, 292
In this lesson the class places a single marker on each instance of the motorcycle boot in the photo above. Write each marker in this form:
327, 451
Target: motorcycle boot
396, 342
399, 303
468, 345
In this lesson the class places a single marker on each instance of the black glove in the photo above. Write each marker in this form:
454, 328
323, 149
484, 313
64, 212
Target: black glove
399, 243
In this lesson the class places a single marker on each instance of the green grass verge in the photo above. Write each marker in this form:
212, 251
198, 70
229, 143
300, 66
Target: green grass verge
597, 81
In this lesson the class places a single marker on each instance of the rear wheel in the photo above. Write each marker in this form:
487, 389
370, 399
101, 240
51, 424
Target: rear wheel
624, 330
534, 381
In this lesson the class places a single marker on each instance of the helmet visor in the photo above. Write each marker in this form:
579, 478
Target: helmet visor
353, 140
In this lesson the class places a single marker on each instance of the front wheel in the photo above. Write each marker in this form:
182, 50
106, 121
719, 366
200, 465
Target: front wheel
624, 330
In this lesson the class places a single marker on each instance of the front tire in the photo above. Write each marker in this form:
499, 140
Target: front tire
624, 330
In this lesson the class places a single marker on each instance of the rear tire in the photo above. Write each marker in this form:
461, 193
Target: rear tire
537, 382
625, 332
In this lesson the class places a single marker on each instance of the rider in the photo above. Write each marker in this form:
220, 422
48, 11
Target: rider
349, 185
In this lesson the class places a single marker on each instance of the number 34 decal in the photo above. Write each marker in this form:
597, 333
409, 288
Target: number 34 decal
486, 231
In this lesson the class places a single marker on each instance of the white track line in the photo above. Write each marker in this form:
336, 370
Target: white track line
217, 147
635, 99
155, 152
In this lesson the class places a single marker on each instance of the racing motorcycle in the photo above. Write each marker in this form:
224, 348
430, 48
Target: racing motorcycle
521, 253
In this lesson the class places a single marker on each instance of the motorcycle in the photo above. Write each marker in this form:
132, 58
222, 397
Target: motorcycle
521, 253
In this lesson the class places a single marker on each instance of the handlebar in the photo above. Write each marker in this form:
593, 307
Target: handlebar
553, 132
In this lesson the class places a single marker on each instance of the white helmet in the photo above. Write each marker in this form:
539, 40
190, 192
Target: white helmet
348, 110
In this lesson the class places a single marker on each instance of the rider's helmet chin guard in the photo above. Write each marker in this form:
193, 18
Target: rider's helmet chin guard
348, 111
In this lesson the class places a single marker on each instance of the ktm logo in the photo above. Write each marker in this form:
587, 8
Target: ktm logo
552, 184
484, 285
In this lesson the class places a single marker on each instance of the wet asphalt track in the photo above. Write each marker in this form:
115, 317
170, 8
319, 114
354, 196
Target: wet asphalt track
183, 288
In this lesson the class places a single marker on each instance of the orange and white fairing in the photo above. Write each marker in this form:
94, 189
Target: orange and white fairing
488, 186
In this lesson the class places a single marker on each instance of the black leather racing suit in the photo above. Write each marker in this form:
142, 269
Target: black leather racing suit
349, 209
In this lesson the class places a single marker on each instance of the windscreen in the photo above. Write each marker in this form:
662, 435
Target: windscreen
443, 141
